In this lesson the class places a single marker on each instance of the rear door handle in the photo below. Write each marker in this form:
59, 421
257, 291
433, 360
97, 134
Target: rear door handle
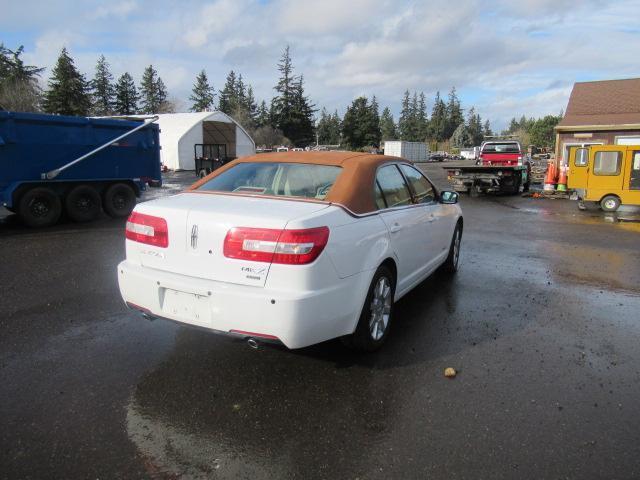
395, 228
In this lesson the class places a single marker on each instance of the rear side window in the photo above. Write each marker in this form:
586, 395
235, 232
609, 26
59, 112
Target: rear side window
607, 163
582, 157
422, 189
394, 188
380, 203
266, 178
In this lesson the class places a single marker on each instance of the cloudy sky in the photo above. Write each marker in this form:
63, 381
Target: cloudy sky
506, 57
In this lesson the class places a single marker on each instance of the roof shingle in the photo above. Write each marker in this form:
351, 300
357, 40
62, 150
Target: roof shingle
606, 102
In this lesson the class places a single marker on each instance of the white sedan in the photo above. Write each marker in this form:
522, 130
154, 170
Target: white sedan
296, 247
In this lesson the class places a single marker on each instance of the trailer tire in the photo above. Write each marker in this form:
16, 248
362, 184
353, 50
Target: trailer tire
39, 207
119, 200
203, 173
610, 203
83, 204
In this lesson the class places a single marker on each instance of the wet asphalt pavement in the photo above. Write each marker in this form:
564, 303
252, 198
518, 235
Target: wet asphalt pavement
542, 323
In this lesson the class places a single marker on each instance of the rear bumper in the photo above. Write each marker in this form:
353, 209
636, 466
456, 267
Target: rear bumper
295, 318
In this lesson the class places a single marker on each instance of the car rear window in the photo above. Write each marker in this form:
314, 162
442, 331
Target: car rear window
507, 147
274, 178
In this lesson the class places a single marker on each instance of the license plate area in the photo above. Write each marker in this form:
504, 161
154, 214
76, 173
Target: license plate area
189, 307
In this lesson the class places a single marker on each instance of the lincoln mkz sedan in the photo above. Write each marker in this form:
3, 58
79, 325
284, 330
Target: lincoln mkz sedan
296, 247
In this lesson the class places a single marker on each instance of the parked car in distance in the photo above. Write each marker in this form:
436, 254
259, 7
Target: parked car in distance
297, 247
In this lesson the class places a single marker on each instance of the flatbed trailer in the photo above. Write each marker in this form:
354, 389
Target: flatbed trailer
501, 168
489, 179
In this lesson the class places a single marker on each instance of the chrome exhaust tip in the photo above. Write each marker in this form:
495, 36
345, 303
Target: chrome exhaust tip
252, 343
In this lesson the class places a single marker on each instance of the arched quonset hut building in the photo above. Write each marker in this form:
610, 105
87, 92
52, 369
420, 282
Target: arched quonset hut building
185, 136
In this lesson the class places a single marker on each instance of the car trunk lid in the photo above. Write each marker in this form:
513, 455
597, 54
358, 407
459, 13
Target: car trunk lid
198, 224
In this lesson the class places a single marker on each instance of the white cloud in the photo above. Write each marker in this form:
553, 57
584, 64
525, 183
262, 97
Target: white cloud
117, 9
508, 58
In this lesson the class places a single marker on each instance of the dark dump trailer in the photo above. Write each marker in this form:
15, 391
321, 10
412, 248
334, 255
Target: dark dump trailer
79, 166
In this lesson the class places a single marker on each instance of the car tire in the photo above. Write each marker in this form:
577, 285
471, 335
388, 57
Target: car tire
39, 207
450, 265
83, 204
610, 203
119, 200
375, 319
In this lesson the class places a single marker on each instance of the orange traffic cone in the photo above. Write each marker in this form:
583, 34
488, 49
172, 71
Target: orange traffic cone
550, 179
562, 181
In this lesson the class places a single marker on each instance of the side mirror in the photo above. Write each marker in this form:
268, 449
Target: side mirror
448, 197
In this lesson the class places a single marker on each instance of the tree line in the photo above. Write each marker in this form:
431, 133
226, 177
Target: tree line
531, 131
69, 92
288, 118
363, 126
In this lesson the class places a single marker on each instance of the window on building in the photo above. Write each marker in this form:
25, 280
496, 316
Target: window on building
607, 163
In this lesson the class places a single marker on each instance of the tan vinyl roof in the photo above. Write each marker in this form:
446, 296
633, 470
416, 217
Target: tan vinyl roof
606, 102
354, 186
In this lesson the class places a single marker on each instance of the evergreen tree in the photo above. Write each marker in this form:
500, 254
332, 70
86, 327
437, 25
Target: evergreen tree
302, 128
328, 128
335, 133
148, 97
262, 115
374, 122
405, 120
126, 98
486, 130
227, 100
474, 127
414, 122
19, 89
250, 104
454, 115
323, 127
388, 129
102, 89
291, 110
202, 94
437, 126
282, 103
358, 128
542, 131
153, 93
422, 120
68, 92
240, 93
164, 106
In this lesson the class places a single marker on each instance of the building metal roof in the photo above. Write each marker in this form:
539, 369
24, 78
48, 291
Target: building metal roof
610, 104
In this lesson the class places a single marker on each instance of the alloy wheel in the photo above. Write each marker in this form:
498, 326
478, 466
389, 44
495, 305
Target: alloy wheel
380, 308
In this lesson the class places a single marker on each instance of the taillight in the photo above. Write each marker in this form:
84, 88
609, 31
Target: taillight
147, 229
293, 247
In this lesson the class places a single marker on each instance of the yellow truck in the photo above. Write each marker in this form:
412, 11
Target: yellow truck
606, 174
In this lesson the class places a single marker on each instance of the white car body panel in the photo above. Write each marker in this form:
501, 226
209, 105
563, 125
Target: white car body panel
299, 305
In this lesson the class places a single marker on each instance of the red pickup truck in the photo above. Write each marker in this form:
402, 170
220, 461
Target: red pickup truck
502, 167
